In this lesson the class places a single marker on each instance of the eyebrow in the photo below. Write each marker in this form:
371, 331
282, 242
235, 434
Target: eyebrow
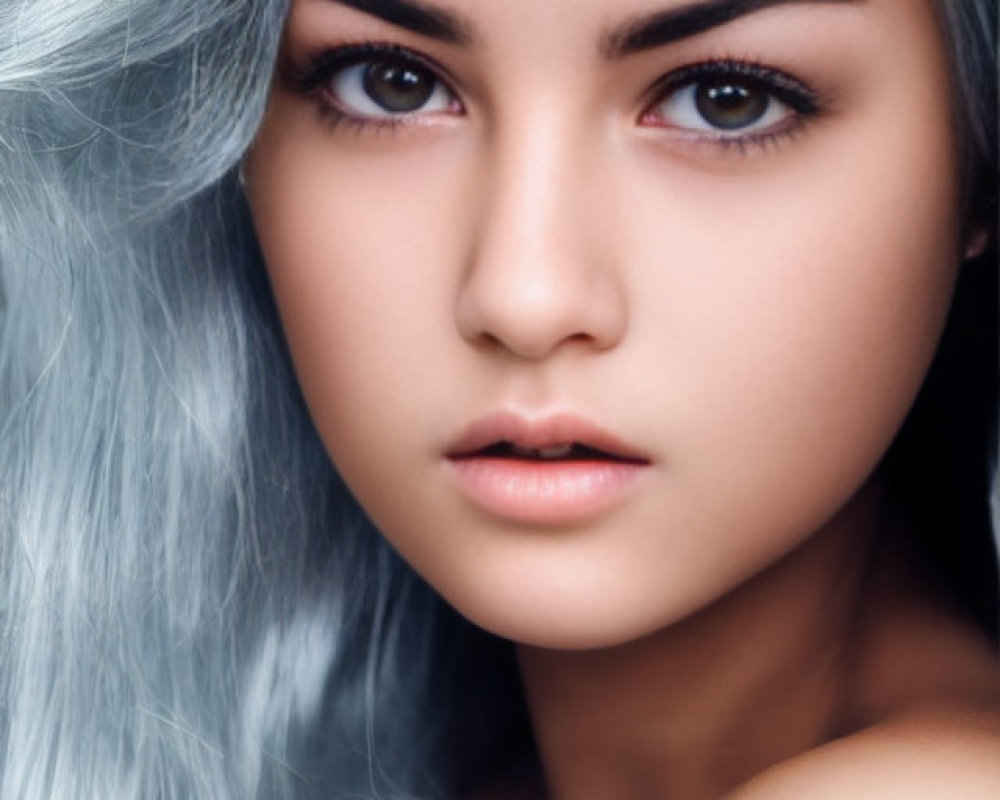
415, 16
665, 27
646, 32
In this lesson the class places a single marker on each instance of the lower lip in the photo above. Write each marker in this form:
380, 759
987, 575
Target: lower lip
547, 493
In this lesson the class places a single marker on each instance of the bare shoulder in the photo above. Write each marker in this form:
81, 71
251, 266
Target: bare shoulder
922, 755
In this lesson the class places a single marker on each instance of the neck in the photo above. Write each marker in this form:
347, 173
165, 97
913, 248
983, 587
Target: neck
695, 709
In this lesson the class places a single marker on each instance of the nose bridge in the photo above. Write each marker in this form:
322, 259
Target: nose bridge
531, 283
531, 178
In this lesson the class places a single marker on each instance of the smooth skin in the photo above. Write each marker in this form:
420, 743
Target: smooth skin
549, 233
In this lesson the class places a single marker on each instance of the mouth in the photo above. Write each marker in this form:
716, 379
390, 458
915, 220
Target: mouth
556, 437
569, 451
553, 470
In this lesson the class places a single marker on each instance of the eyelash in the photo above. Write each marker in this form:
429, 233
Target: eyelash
803, 103
317, 71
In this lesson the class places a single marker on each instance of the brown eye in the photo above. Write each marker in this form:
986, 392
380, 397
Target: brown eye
398, 88
730, 105
388, 87
726, 104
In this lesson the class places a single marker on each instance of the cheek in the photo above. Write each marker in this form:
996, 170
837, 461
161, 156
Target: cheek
792, 324
354, 246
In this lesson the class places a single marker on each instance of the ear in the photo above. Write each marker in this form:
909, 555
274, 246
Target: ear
978, 238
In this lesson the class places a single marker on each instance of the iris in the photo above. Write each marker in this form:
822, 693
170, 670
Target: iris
398, 87
728, 105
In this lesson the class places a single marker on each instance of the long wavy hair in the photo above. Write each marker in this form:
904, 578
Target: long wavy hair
191, 605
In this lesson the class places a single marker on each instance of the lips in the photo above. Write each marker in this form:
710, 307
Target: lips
553, 470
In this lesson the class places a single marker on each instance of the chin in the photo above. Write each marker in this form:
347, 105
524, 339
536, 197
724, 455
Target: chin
575, 619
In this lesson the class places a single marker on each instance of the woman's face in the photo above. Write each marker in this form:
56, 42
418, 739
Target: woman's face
709, 244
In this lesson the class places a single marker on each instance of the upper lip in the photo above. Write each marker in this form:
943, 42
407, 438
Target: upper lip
538, 431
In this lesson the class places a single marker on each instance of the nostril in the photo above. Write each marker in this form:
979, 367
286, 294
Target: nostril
491, 339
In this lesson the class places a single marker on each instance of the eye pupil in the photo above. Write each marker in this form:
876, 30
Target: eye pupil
729, 105
397, 87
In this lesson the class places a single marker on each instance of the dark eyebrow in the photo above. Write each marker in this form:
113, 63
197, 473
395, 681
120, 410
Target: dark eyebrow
665, 27
415, 16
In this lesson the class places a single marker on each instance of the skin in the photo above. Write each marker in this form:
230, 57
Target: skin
757, 323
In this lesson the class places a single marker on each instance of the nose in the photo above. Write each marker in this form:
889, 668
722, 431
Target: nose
535, 279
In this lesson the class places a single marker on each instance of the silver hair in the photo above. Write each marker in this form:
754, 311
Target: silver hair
192, 604
972, 32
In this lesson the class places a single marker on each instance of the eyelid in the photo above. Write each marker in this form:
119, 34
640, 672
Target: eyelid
789, 90
802, 103
317, 68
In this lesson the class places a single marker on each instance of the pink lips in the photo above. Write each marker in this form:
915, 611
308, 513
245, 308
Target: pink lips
517, 468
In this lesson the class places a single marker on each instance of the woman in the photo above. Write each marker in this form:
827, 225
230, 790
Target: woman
609, 315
